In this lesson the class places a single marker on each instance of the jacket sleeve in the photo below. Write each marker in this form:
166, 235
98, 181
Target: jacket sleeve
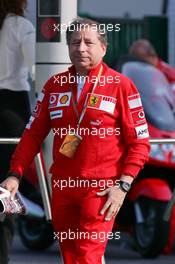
35, 132
134, 129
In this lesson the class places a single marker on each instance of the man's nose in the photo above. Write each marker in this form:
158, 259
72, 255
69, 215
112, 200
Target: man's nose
82, 47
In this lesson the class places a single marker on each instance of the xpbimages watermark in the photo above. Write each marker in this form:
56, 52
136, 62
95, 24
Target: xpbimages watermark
101, 28
102, 132
80, 235
77, 182
102, 80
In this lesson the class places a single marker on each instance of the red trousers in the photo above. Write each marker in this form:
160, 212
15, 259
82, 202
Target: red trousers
76, 217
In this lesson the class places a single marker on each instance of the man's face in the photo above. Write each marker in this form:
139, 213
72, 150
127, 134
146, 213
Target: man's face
86, 50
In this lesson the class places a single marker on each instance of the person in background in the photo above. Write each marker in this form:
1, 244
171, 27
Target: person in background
17, 59
144, 50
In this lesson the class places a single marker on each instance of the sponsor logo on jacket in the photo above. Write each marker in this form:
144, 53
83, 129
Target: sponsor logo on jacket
136, 108
138, 117
40, 97
142, 131
28, 126
37, 109
59, 99
134, 101
56, 114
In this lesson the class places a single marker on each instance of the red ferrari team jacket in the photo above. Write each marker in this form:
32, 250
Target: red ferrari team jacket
114, 130
167, 70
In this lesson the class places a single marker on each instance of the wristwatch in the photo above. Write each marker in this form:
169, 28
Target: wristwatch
124, 186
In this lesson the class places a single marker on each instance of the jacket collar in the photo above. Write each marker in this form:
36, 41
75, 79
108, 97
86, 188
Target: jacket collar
93, 72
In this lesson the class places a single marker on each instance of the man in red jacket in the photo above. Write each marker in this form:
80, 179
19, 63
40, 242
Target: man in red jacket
100, 144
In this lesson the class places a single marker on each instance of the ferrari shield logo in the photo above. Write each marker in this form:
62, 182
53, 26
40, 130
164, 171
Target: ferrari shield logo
93, 100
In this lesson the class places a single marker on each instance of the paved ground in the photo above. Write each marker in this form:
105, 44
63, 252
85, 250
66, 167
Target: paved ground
115, 253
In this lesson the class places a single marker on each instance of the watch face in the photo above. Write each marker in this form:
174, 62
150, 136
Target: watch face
125, 186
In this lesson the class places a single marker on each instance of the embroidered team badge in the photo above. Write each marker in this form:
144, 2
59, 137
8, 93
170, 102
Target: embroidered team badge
101, 102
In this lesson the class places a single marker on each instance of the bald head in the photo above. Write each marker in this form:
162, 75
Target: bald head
144, 50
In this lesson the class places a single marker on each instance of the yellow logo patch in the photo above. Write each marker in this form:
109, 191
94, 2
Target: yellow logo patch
64, 99
93, 100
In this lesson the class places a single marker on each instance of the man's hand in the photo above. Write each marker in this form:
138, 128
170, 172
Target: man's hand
115, 200
11, 184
